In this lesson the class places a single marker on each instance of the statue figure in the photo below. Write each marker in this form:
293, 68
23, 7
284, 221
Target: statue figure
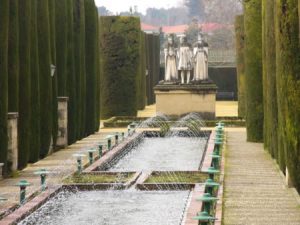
171, 60
200, 60
185, 55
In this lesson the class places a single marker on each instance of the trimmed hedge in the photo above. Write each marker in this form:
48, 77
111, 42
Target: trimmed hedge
226, 80
119, 57
141, 79
97, 122
239, 40
46, 95
152, 65
54, 78
91, 52
71, 89
24, 83
253, 70
79, 57
4, 16
13, 57
288, 92
61, 29
35, 87
269, 79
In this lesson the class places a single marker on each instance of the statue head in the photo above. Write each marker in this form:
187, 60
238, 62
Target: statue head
183, 40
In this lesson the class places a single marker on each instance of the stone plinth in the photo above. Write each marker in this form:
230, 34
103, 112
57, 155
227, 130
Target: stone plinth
62, 137
179, 100
12, 130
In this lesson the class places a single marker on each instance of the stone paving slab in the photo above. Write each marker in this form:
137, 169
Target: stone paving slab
255, 192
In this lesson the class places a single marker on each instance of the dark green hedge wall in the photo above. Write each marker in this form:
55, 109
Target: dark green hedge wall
35, 87
4, 16
225, 79
79, 57
71, 89
119, 57
141, 79
46, 95
288, 92
13, 57
152, 64
239, 42
97, 118
91, 51
253, 70
55, 77
269, 79
24, 83
61, 29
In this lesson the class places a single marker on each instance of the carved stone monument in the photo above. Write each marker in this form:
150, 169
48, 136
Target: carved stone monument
196, 92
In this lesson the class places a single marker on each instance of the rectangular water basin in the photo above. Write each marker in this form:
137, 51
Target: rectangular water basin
162, 154
129, 207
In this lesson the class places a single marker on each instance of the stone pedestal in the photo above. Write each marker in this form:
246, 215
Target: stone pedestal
179, 100
62, 138
12, 130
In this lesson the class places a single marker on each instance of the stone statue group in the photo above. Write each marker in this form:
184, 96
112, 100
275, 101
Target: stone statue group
180, 62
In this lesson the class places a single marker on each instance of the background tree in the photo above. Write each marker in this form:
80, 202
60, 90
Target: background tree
196, 9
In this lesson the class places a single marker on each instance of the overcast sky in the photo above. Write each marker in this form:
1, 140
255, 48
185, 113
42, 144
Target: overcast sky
124, 5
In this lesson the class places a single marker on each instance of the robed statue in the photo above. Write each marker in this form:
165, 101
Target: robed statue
185, 55
200, 60
171, 73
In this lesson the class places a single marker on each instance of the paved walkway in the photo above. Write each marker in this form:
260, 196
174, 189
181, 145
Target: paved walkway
255, 193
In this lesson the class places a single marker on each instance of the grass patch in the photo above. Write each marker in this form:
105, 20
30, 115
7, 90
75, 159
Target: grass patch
99, 178
177, 177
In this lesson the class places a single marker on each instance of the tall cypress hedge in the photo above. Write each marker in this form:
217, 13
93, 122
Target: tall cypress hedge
4, 16
239, 40
91, 64
269, 78
97, 122
13, 57
55, 77
35, 87
71, 92
253, 70
24, 130
141, 79
45, 78
79, 57
120, 47
288, 79
61, 29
